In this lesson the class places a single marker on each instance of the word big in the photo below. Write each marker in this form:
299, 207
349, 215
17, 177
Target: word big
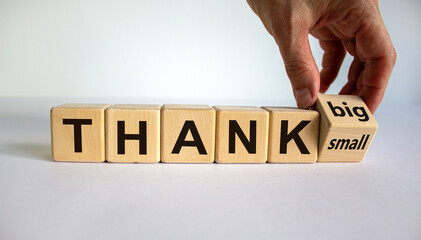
339, 130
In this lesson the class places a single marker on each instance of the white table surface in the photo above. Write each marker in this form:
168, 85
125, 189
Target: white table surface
379, 198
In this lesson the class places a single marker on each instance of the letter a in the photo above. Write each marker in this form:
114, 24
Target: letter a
181, 141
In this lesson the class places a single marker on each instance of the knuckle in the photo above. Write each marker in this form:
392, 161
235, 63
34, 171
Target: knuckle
295, 67
394, 55
390, 56
298, 71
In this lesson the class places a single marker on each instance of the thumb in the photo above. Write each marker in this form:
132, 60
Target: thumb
299, 65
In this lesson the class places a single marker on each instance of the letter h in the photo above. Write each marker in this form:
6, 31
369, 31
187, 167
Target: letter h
122, 137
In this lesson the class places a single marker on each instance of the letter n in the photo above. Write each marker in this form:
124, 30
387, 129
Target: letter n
234, 129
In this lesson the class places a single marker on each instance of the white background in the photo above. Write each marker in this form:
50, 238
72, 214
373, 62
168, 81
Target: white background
211, 49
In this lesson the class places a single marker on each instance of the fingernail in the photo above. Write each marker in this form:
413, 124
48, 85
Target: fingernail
303, 98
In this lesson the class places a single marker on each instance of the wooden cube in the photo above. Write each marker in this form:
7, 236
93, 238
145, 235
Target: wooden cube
187, 134
133, 133
78, 132
347, 128
293, 135
241, 134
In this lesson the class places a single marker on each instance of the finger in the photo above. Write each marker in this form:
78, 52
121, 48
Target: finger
299, 63
323, 33
375, 49
354, 74
332, 60
375, 79
350, 46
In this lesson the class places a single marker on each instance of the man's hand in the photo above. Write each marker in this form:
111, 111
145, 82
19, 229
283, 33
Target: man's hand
355, 26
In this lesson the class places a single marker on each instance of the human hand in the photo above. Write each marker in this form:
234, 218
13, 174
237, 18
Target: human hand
355, 26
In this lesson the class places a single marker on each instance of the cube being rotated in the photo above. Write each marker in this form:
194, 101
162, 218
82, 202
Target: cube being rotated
242, 134
187, 133
347, 128
78, 132
293, 135
133, 133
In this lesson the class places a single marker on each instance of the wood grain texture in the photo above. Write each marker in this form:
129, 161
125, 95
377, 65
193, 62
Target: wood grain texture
305, 122
347, 128
243, 116
92, 144
175, 118
130, 116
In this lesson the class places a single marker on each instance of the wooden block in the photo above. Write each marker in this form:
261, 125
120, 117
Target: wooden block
132, 132
78, 132
293, 135
347, 128
187, 134
242, 134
